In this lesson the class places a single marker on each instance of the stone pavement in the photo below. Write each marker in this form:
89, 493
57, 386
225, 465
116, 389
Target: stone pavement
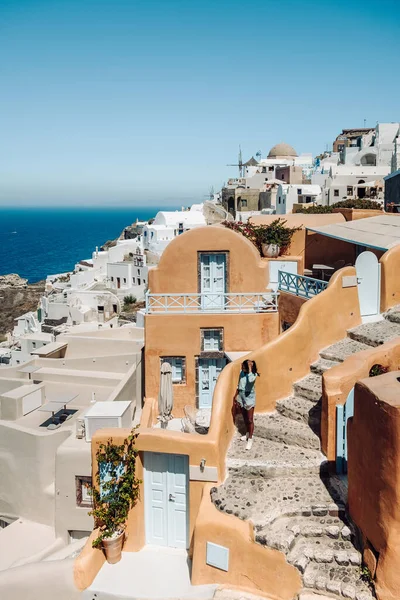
282, 484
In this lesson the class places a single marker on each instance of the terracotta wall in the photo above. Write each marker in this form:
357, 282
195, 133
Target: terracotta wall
177, 271
252, 567
390, 278
289, 307
179, 335
353, 214
321, 249
374, 477
338, 381
313, 247
212, 447
196, 447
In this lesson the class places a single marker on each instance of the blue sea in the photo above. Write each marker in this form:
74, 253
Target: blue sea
36, 242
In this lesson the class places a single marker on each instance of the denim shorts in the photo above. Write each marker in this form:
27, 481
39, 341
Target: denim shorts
246, 402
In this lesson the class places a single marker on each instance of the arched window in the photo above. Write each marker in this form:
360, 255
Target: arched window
368, 160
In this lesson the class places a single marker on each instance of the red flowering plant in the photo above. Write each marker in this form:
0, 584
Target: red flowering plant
275, 233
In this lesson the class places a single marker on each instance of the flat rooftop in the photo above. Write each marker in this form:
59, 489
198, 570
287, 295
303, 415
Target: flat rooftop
381, 233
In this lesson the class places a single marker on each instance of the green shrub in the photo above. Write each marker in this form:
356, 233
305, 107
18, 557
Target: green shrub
377, 369
364, 203
315, 209
129, 300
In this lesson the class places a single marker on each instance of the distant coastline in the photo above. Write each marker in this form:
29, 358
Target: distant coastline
40, 241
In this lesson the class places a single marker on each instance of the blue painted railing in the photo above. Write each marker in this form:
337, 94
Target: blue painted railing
305, 287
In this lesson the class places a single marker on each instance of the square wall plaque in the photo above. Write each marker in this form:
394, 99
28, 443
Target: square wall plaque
217, 556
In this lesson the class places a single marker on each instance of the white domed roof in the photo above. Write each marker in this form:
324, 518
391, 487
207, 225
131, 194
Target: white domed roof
282, 150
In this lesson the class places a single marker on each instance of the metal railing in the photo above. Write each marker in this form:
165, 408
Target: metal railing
300, 285
211, 303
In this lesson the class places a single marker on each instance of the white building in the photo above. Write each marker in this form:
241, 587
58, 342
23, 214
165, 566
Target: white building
94, 292
344, 182
130, 276
27, 344
281, 155
72, 307
290, 194
358, 171
169, 224
96, 269
45, 458
26, 337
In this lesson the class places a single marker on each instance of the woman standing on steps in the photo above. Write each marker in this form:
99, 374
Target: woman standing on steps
245, 399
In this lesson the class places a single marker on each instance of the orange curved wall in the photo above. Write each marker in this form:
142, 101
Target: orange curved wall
374, 475
177, 271
252, 567
390, 278
322, 321
338, 381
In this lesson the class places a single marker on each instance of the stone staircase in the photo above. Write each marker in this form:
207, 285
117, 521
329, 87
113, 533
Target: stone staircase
283, 486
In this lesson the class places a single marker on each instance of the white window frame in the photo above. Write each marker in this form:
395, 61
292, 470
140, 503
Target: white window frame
212, 335
178, 364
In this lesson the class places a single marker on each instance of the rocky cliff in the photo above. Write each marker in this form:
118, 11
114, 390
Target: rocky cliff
16, 298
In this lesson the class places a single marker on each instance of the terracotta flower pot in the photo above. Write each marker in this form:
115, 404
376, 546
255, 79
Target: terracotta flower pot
271, 250
113, 548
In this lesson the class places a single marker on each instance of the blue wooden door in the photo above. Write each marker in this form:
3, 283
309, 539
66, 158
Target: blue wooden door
166, 499
213, 281
343, 414
368, 282
209, 370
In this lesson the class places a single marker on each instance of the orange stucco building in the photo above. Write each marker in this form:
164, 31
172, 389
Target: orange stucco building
183, 323
208, 300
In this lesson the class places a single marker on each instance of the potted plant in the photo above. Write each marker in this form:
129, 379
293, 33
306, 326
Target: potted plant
115, 493
275, 238
271, 240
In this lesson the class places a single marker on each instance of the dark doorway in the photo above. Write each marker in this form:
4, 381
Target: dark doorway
361, 190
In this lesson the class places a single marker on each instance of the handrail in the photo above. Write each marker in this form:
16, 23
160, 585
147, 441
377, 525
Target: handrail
240, 302
300, 285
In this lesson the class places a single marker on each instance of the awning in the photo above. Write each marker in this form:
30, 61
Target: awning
381, 233
232, 356
49, 348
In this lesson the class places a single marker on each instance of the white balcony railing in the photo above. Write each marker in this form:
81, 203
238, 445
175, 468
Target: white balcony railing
211, 303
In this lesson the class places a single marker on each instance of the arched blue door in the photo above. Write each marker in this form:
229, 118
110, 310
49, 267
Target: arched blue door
368, 281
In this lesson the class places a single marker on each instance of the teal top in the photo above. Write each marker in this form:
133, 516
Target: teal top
247, 389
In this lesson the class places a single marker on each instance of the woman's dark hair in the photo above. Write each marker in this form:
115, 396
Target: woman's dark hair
245, 367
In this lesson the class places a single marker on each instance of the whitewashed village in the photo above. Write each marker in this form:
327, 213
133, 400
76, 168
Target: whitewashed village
293, 265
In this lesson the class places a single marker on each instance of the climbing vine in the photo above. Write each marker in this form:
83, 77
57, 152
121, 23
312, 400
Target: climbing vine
116, 490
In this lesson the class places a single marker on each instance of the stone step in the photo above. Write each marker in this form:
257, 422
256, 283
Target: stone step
322, 365
264, 500
271, 459
283, 533
338, 553
393, 314
275, 427
375, 334
299, 409
341, 350
342, 581
310, 387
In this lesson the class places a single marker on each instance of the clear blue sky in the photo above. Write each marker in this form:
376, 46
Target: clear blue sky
146, 101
